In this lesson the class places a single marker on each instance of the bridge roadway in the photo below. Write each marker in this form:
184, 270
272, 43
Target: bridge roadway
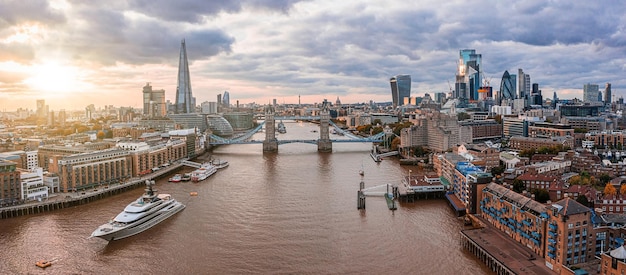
286, 141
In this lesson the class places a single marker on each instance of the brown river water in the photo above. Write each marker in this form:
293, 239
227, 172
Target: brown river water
291, 212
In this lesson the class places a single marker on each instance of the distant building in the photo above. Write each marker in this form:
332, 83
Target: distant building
400, 89
226, 99
590, 93
507, 86
607, 94
184, 97
10, 188
153, 102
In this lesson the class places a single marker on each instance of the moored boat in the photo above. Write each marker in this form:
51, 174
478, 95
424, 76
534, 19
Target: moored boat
176, 178
219, 164
206, 170
147, 211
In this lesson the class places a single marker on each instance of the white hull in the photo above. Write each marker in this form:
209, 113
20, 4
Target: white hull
120, 232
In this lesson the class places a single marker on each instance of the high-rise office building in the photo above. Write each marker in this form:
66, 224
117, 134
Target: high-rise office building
184, 101
400, 89
507, 87
153, 102
226, 99
607, 93
42, 108
524, 84
590, 92
468, 78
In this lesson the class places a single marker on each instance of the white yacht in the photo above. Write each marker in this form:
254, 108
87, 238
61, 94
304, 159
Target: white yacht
147, 211
219, 164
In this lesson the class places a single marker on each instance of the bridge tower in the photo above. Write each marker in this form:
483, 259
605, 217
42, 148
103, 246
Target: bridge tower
270, 144
324, 144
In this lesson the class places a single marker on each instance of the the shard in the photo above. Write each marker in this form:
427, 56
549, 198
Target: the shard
184, 99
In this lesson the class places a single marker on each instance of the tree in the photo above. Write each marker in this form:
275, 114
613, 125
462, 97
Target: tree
582, 199
100, 135
395, 143
541, 195
604, 179
622, 189
609, 190
498, 119
497, 170
518, 185
463, 116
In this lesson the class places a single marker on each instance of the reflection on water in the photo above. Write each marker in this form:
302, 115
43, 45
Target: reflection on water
288, 212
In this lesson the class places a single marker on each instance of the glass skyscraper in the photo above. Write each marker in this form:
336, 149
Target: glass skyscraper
184, 99
468, 78
507, 87
400, 89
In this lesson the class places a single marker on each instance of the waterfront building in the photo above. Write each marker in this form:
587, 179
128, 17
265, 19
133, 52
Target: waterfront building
10, 187
23, 159
240, 120
191, 120
437, 131
153, 102
91, 169
184, 96
591, 93
47, 153
519, 217
194, 141
613, 262
146, 157
219, 126
32, 185
400, 89
570, 236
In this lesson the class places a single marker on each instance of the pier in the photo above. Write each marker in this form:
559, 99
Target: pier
501, 254
66, 200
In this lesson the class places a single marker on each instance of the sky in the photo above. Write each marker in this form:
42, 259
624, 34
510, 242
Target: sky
75, 53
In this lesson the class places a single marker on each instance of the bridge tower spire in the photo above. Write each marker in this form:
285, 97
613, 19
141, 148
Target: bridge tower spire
270, 144
324, 144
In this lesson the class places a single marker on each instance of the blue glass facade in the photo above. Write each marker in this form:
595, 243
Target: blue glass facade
184, 101
507, 86
400, 89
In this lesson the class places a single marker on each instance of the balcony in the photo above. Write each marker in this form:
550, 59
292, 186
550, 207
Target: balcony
553, 227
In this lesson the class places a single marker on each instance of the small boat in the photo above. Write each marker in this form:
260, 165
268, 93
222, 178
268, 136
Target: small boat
176, 178
193, 193
186, 177
219, 164
43, 264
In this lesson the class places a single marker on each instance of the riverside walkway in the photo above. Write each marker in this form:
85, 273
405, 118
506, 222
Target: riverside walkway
69, 199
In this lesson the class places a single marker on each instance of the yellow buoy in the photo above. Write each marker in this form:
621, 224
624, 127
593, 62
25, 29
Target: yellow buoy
193, 193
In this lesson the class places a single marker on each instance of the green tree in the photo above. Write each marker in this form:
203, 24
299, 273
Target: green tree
604, 179
463, 116
541, 195
518, 185
582, 199
497, 170
100, 135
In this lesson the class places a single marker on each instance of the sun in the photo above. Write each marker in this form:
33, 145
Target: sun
55, 79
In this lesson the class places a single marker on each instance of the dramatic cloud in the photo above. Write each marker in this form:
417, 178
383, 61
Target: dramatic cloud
260, 50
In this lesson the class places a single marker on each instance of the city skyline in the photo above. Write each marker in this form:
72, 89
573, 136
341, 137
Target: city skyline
71, 54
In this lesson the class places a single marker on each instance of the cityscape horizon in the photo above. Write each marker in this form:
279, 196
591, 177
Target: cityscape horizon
50, 55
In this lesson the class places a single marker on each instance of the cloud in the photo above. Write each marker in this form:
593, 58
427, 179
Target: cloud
15, 12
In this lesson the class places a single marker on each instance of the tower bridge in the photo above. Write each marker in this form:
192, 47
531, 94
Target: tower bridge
270, 144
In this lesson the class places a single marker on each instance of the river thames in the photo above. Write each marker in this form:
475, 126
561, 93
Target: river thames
291, 212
